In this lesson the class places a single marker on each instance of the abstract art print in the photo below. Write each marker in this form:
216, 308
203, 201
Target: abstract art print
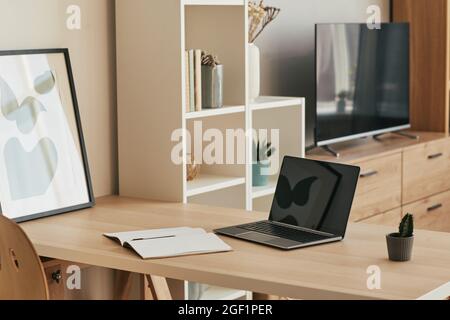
43, 162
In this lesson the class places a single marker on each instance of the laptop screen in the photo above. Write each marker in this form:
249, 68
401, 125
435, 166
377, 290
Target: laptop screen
315, 195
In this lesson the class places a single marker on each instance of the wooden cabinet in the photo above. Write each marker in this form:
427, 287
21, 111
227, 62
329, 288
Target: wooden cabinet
432, 213
379, 187
398, 176
390, 218
426, 170
429, 60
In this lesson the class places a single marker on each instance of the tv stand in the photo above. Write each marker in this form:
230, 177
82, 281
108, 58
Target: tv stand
331, 151
399, 133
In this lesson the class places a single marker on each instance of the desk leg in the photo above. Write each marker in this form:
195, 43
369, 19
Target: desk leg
122, 285
263, 297
156, 288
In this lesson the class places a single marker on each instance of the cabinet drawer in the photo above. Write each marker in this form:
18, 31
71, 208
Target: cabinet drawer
433, 213
391, 218
379, 187
426, 170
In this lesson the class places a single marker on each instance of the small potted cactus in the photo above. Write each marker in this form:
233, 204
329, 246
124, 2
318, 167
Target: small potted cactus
262, 152
400, 244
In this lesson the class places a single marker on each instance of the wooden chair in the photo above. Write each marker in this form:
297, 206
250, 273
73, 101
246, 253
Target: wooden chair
22, 275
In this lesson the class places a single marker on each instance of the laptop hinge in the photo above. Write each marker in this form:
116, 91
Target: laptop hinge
303, 229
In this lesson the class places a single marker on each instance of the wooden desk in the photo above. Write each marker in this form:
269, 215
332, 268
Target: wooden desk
329, 271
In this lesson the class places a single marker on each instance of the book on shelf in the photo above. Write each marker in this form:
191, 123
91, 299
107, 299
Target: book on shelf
191, 81
198, 80
187, 79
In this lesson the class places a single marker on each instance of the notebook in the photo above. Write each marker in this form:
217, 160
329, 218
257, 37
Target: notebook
164, 243
441, 293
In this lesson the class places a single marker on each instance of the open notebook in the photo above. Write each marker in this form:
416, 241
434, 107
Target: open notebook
163, 243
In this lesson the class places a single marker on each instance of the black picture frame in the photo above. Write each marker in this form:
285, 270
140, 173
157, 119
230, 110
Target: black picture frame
91, 202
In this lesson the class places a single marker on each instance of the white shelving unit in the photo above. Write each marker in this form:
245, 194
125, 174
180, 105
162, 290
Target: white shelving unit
213, 2
216, 293
205, 183
214, 112
269, 190
152, 37
263, 103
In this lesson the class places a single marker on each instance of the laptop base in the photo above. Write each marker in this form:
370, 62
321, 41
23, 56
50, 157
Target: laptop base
241, 232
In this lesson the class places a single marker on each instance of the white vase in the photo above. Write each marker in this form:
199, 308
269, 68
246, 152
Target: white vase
254, 72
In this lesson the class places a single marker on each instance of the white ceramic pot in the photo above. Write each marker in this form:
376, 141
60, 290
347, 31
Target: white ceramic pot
254, 61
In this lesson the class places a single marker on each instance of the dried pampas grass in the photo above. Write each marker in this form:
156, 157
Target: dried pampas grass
260, 17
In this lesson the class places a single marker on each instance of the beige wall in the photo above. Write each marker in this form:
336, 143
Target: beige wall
32, 24
287, 46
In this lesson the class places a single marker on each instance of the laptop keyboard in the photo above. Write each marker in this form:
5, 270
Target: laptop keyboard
271, 229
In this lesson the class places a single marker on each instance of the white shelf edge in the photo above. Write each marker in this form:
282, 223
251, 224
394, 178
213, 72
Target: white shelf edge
259, 192
216, 293
218, 183
214, 112
270, 102
213, 2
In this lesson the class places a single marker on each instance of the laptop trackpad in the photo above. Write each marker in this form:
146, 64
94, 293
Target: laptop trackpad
258, 237
270, 240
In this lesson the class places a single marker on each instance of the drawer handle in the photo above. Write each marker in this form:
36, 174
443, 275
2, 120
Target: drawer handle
368, 174
435, 207
435, 156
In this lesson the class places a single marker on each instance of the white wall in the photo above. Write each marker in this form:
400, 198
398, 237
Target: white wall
287, 46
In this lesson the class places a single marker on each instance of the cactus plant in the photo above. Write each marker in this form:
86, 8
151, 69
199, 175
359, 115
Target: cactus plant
400, 245
406, 228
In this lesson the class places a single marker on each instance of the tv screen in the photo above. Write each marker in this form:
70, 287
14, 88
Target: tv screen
362, 76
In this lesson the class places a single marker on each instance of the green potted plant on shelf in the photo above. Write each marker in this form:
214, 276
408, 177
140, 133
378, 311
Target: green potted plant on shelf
400, 244
262, 154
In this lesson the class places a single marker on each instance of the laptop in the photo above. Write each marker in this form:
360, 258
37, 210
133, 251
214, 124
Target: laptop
311, 206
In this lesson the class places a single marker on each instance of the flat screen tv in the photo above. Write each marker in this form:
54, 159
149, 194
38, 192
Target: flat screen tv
362, 81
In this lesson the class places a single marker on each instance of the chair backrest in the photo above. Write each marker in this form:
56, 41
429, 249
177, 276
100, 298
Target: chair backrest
22, 276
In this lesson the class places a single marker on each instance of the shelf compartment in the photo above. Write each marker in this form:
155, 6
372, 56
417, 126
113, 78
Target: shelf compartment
215, 112
259, 192
271, 102
205, 183
221, 30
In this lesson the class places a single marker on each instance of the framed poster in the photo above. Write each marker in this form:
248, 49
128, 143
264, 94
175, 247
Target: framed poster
43, 163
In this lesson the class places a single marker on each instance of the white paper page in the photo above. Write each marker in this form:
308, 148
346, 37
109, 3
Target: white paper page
441, 293
126, 237
178, 246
